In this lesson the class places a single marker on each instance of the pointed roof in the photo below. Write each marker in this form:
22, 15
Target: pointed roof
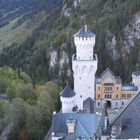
109, 72
67, 92
84, 32
128, 119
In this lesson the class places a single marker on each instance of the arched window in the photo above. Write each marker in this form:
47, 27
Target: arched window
84, 70
77, 70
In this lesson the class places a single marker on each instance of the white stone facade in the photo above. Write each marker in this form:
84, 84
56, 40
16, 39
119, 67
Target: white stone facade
67, 104
84, 78
136, 80
84, 47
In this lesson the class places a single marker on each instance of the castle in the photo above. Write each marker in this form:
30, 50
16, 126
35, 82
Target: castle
78, 119
109, 88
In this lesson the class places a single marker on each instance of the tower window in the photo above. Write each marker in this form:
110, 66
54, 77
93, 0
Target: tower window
98, 96
122, 103
98, 104
80, 96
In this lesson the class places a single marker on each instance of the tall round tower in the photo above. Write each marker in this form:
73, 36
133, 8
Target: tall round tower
67, 97
84, 65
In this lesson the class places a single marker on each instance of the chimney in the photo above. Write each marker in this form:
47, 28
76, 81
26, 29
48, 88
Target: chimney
71, 125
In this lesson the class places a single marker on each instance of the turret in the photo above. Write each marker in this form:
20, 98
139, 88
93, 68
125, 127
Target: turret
67, 97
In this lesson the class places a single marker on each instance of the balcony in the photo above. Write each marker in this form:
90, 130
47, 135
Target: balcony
74, 57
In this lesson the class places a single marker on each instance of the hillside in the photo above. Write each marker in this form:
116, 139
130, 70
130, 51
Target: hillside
46, 52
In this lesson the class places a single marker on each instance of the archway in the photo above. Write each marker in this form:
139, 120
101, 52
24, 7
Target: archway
108, 104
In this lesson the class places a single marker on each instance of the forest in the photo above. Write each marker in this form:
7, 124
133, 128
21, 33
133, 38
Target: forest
27, 112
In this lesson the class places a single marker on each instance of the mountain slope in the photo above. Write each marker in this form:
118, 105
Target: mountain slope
46, 54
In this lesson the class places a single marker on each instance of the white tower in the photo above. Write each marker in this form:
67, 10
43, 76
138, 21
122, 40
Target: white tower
67, 97
84, 66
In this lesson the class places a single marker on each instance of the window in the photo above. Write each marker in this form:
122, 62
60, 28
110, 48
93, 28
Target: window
128, 95
80, 78
108, 96
117, 88
89, 87
117, 96
98, 88
98, 104
116, 104
122, 103
98, 96
80, 96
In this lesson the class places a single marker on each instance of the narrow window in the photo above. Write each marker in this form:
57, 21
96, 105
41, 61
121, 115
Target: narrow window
122, 103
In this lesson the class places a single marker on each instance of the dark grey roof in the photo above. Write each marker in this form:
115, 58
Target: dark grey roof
88, 105
136, 73
86, 125
129, 119
67, 92
84, 32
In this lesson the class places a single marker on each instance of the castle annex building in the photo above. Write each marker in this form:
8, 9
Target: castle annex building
109, 88
78, 118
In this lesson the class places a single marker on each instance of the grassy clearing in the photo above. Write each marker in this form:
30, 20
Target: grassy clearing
9, 35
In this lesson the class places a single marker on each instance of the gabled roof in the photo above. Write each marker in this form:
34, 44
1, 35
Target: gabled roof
67, 92
129, 119
86, 125
84, 32
109, 72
